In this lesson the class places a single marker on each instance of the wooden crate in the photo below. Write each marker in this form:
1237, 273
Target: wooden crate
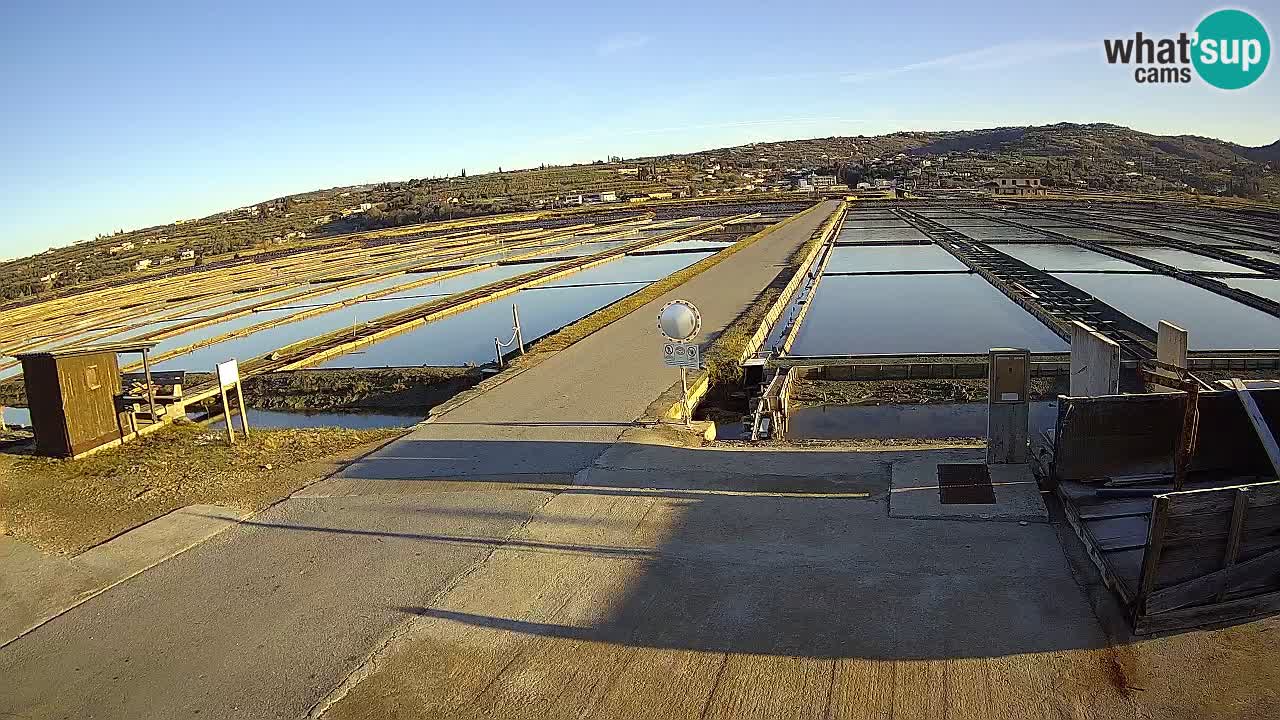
1208, 554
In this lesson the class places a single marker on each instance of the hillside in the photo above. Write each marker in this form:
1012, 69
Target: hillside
1095, 156
1098, 156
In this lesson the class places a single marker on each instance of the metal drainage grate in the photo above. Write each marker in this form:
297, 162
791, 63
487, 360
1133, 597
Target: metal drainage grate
965, 484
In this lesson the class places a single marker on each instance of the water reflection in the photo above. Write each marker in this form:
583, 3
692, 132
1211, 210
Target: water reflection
881, 314
1213, 321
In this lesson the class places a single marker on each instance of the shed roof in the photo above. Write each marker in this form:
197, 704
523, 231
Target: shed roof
120, 347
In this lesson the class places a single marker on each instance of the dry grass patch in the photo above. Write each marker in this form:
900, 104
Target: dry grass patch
68, 506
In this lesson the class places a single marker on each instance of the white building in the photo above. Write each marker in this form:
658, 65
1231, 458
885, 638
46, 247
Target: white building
1018, 186
823, 181
600, 197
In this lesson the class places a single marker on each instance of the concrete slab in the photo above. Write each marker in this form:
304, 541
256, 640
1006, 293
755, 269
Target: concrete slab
158, 540
35, 586
914, 492
263, 619
613, 603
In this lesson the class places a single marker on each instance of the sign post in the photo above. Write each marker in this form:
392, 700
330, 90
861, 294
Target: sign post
228, 379
679, 321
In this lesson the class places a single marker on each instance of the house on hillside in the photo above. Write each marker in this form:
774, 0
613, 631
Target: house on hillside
823, 182
600, 197
1016, 186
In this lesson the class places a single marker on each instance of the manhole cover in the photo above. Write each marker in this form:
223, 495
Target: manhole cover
965, 484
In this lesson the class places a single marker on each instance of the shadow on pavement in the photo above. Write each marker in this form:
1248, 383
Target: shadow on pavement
773, 552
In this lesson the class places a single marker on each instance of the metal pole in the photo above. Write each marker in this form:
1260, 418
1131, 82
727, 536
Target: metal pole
1187, 438
151, 390
684, 399
244, 415
515, 318
226, 415
497, 349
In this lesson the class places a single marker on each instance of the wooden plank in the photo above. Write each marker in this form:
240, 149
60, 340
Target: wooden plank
1127, 565
1198, 589
1233, 538
1259, 423
1187, 437
1260, 521
1128, 531
1121, 585
1189, 560
1123, 435
1222, 499
1155, 543
1227, 612
1117, 546
1142, 508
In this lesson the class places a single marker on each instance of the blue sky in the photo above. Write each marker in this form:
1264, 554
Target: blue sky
124, 114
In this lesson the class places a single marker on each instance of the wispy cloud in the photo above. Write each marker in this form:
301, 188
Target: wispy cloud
988, 58
621, 42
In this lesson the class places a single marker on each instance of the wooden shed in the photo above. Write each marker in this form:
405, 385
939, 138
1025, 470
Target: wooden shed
72, 394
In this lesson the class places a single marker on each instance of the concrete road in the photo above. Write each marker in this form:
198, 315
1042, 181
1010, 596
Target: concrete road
263, 620
269, 617
796, 595
649, 590
555, 418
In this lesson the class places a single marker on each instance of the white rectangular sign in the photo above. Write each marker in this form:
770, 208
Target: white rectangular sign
228, 373
679, 354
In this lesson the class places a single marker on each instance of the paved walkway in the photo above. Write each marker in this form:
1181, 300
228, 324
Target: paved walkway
775, 583
647, 592
268, 617
555, 418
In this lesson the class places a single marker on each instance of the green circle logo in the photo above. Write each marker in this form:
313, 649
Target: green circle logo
1232, 49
